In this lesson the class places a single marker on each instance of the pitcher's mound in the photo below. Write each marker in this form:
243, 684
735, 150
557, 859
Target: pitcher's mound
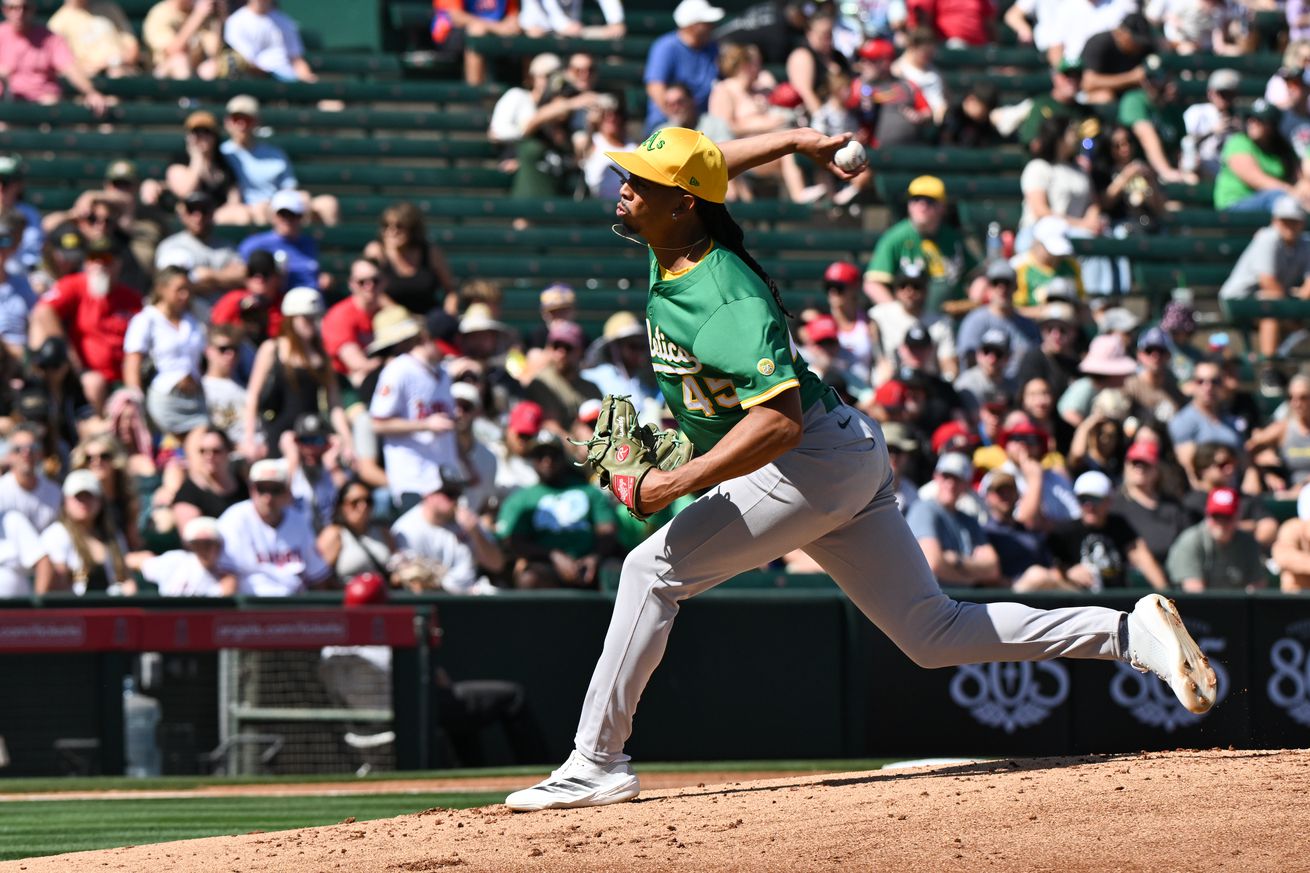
1174, 811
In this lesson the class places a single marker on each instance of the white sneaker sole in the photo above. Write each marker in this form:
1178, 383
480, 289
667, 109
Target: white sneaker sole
534, 800
1190, 676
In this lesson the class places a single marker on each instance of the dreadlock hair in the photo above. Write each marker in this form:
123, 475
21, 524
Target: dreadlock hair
725, 231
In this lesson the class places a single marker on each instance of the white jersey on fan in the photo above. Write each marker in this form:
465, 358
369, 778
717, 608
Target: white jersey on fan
268, 561
179, 573
412, 390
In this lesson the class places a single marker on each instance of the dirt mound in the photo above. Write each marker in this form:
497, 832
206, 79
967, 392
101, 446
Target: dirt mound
1179, 811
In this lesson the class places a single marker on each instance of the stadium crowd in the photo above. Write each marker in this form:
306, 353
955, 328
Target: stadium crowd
205, 419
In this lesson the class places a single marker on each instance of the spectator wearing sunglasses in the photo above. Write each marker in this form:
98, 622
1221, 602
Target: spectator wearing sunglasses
92, 310
1217, 466
559, 388
441, 529
86, 550
355, 542
1215, 554
256, 309
269, 544
348, 326
1203, 420
201, 168
212, 265
25, 488
211, 485
294, 250
315, 468
263, 170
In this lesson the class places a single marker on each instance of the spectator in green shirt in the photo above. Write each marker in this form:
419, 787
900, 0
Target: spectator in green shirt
1216, 555
1155, 117
923, 244
1257, 166
1062, 102
559, 530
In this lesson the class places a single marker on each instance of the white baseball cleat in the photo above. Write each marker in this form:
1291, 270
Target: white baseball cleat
1159, 643
579, 782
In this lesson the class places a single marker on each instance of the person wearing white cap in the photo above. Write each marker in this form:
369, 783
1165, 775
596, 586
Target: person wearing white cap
292, 376
193, 570
263, 171
477, 459
564, 18
86, 553
1095, 550
953, 542
1275, 265
295, 251
267, 543
1292, 548
1050, 258
687, 56
412, 408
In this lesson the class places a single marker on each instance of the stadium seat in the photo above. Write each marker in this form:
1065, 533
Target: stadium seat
1163, 248
66, 142
271, 90
138, 115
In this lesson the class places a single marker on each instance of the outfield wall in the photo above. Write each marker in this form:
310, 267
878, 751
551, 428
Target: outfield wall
749, 674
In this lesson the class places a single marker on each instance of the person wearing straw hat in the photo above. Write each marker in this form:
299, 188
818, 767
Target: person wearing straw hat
784, 464
412, 407
622, 365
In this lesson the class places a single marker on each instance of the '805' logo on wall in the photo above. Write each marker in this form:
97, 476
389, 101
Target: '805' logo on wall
1289, 684
1010, 696
1151, 701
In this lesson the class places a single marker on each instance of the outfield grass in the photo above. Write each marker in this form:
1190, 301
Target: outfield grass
29, 828
180, 783
49, 827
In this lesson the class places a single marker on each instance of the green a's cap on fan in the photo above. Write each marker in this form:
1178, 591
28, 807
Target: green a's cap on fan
681, 158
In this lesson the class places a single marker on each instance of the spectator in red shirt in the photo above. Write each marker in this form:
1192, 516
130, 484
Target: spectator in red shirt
348, 325
31, 57
256, 308
91, 309
956, 22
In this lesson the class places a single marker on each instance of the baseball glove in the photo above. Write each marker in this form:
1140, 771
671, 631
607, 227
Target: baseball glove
624, 451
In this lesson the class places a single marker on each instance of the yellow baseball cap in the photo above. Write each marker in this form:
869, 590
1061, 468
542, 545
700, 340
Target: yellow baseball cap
683, 158
927, 186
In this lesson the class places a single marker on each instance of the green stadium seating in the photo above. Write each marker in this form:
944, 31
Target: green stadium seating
297, 147
373, 65
891, 186
990, 57
916, 159
1164, 248
1244, 313
135, 115
631, 47
1185, 220
1158, 278
353, 94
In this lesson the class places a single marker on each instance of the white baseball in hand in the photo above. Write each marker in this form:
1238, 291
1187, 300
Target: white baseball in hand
851, 157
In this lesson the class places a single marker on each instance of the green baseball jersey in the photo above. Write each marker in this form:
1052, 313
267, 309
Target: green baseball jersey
719, 345
563, 517
944, 259
1032, 278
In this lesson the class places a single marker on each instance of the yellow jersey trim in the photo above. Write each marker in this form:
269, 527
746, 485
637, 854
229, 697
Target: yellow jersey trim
666, 275
773, 392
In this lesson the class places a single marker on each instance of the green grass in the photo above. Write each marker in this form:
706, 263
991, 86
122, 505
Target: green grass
43, 785
29, 828
49, 827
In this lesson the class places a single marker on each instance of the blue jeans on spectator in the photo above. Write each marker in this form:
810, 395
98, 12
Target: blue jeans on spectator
1261, 201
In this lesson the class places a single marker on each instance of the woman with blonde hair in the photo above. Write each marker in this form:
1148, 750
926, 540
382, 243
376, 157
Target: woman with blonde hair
414, 271
104, 457
85, 550
292, 376
739, 106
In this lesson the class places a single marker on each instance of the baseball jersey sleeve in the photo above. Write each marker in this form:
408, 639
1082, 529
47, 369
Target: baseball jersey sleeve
389, 396
750, 344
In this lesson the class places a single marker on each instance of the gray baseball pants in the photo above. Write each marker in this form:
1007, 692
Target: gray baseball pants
817, 498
